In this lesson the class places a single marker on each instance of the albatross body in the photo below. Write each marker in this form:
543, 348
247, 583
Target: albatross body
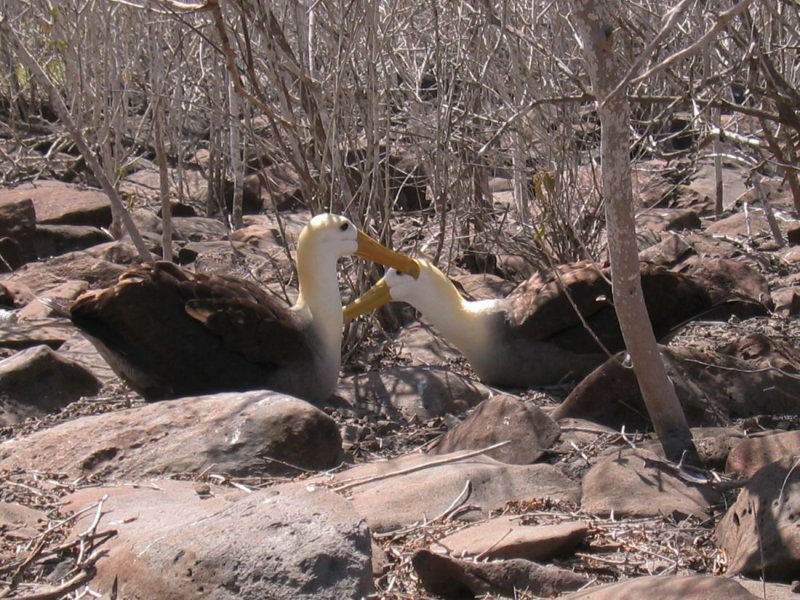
534, 336
172, 333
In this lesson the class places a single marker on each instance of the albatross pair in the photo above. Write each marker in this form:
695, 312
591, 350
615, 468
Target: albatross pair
170, 333
535, 335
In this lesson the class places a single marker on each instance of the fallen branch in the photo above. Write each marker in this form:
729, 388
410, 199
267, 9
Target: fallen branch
436, 463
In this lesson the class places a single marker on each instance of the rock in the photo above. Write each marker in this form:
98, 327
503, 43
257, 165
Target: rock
765, 352
752, 226
143, 185
668, 587
408, 393
626, 483
503, 418
20, 523
580, 433
37, 381
417, 488
11, 253
52, 240
253, 433
790, 254
406, 179
57, 202
236, 258
288, 541
179, 209
26, 333
766, 589
99, 266
17, 231
421, 345
703, 187
752, 454
483, 286
760, 533
83, 352
734, 286
714, 389
787, 301
713, 444
708, 246
667, 219
62, 295
458, 579
508, 536
668, 252
276, 187
199, 229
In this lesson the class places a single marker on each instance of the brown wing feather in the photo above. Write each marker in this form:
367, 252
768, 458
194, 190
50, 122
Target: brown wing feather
170, 332
541, 308
671, 299
248, 319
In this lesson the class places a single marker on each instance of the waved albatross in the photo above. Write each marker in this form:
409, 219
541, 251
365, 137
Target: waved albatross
534, 336
171, 333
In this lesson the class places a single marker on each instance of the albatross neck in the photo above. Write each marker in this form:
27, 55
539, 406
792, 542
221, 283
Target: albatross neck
319, 303
466, 324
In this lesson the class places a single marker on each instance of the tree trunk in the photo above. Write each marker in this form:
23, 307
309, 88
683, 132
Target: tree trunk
596, 31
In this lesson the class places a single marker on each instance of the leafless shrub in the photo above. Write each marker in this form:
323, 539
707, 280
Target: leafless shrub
469, 91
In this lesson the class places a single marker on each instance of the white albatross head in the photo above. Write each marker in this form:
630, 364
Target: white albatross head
426, 290
335, 236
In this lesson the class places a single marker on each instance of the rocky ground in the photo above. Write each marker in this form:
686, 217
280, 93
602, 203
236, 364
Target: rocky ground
415, 480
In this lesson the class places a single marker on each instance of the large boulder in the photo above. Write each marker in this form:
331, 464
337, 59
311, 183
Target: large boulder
179, 541
253, 433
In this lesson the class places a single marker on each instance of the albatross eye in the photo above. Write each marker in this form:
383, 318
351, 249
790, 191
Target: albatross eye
344, 226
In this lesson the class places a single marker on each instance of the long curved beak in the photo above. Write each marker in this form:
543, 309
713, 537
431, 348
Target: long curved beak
375, 297
375, 251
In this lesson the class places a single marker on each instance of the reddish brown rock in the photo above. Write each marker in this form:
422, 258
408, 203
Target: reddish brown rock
483, 286
99, 266
248, 433
289, 541
38, 381
509, 536
408, 393
667, 219
17, 231
760, 533
714, 388
421, 345
751, 455
64, 203
61, 294
20, 523
417, 488
669, 587
27, 333
52, 240
452, 578
503, 418
628, 483
735, 287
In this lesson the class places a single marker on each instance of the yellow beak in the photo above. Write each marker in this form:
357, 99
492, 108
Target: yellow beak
375, 251
375, 297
